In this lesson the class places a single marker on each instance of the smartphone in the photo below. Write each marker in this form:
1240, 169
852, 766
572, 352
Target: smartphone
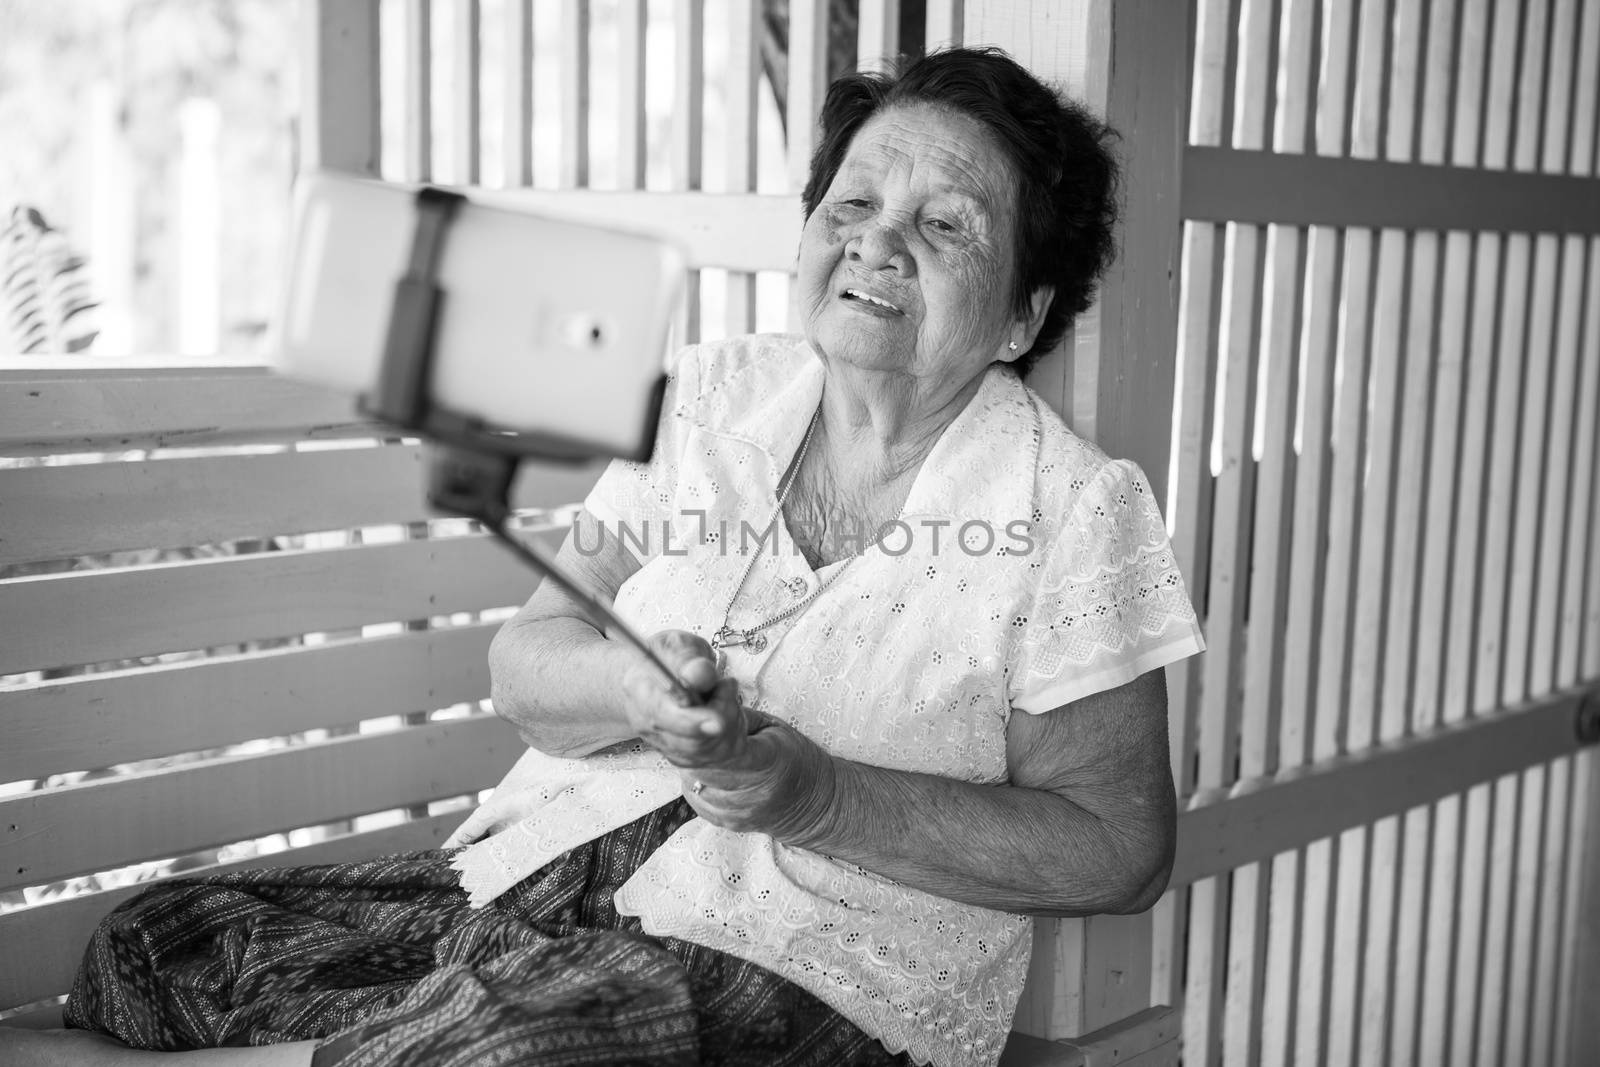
552, 329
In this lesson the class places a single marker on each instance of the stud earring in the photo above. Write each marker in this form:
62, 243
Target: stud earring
1013, 346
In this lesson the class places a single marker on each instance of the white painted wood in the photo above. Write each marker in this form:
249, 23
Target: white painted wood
1531, 82
688, 127
1581, 144
1471, 511
1311, 991
516, 134
944, 26
1472, 894
49, 513
1260, 187
81, 618
743, 87
1500, 96
1559, 94
1584, 490
1433, 1024
1493, 990
339, 84
1439, 70
808, 76
1260, 820
1580, 973
417, 165
38, 934
632, 79
878, 34
574, 80
736, 231
1345, 500
1531, 474
1501, 499
1525, 917
120, 821
101, 720
1388, 360
466, 109
45, 412
1471, 67
1402, 116
1553, 580
1369, 100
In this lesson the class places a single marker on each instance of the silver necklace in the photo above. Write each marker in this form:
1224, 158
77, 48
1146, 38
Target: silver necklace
751, 637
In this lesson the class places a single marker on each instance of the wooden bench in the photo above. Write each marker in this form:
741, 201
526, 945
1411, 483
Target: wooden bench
228, 619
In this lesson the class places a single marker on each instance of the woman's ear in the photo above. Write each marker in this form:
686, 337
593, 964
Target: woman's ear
1029, 325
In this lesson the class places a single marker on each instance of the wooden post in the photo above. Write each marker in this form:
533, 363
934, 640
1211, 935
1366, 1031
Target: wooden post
339, 85
1112, 378
1583, 993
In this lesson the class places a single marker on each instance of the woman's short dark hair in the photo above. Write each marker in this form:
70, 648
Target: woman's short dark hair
1060, 153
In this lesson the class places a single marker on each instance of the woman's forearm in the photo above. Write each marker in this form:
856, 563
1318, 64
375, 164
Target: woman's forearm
556, 680
1014, 849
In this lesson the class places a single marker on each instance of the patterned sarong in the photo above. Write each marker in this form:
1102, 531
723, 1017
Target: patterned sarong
386, 963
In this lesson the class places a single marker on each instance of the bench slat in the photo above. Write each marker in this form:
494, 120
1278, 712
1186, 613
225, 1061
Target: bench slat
101, 616
59, 833
106, 409
53, 935
104, 719
60, 512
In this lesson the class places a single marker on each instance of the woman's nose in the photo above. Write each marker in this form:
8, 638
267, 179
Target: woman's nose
882, 247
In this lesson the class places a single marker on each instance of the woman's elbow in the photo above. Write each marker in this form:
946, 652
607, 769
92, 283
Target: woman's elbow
1147, 869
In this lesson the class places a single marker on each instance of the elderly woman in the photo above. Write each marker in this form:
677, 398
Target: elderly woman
926, 622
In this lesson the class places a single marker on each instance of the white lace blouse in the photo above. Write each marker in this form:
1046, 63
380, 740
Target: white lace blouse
1030, 571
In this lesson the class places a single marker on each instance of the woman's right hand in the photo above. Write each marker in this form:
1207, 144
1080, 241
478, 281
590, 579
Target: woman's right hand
688, 735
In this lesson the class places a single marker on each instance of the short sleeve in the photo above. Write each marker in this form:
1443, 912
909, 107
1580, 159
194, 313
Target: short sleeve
1110, 604
640, 496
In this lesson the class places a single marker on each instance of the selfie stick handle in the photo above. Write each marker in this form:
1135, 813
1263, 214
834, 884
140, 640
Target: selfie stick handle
467, 478
477, 485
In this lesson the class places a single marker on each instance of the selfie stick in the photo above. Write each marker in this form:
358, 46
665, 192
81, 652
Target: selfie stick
470, 474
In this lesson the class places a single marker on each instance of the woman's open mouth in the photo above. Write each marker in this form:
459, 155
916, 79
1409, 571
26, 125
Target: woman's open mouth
867, 302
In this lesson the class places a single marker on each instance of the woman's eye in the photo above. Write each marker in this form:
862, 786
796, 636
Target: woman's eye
941, 226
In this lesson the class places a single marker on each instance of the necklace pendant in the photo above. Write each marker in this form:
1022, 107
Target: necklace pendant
728, 637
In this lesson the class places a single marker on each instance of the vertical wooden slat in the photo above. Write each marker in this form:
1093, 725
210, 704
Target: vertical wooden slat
517, 125
1478, 813
944, 25
1580, 961
1189, 514
1581, 145
418, 158
1581, 534
1369, 101
743, 85
466, 131
808, 74
1545, 992
632, 71
1525, 903
1559, 95
339, 127
1497, 538
1531, 85
1501, 863
574, 53
1324, 987
1553, 578
688, 127
878, 34
1260, 600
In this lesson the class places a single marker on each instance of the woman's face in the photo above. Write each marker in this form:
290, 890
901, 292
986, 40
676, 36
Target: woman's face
907, 263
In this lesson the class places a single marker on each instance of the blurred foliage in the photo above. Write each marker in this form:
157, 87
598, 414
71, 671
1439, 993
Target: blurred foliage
152, 55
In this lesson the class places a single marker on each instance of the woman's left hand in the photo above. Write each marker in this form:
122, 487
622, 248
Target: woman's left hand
766, 776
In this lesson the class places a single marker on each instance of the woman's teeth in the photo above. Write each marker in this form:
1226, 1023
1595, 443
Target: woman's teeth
857, 294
